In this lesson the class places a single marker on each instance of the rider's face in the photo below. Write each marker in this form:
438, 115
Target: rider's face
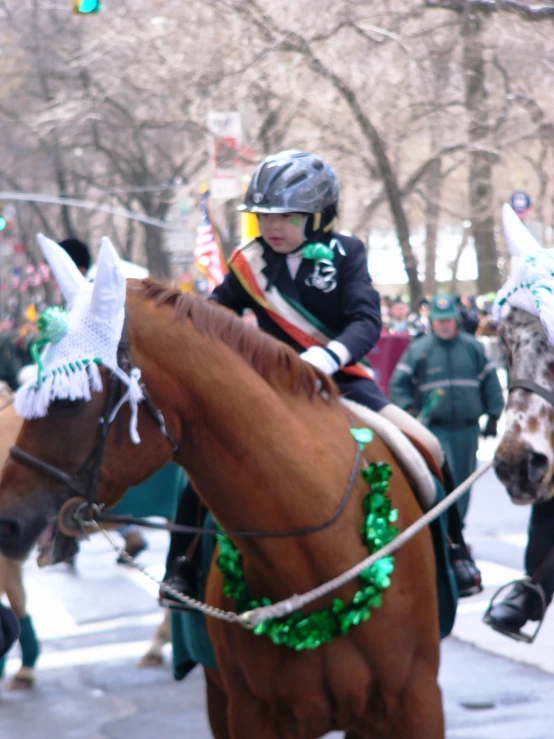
284, 232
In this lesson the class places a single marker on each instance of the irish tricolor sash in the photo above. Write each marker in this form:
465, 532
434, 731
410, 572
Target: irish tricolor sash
304, 328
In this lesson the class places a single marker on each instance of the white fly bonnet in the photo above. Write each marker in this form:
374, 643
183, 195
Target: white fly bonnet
530, 285
83, 338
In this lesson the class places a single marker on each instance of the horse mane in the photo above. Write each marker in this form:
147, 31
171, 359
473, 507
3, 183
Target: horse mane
274, 361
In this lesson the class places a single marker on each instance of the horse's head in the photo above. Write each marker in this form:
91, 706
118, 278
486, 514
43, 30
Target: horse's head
64, 449
524, 460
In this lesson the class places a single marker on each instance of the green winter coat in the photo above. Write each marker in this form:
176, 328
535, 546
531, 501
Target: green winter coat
458, 369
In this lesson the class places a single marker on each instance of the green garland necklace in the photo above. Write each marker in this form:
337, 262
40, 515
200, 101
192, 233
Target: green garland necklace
299, 631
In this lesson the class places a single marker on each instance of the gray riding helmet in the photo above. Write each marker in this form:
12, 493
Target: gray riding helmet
291, 182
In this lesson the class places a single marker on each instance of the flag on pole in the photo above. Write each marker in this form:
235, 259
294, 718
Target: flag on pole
208, 256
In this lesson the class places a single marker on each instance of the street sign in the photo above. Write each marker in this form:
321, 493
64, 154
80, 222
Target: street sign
225, 141
520, 202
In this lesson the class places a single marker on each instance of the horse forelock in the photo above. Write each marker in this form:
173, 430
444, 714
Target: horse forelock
274, 361
531, 358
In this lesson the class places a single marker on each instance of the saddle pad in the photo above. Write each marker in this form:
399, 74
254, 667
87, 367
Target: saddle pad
408, 457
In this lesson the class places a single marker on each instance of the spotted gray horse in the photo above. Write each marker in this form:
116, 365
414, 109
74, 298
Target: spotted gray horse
524, 460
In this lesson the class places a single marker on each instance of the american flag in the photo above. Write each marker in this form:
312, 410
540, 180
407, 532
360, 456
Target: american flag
207, 253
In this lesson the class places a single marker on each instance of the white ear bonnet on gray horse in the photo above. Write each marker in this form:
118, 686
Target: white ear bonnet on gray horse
81, 339
530, 285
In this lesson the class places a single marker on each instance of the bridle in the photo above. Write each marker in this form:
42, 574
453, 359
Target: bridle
90, 468
531, 387
86, 508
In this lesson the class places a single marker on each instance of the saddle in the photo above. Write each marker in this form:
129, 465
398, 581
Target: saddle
413, 457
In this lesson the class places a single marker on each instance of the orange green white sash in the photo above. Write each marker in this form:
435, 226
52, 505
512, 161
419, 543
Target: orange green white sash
305, 329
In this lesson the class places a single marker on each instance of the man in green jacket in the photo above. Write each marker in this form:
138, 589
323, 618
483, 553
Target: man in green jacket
446, 380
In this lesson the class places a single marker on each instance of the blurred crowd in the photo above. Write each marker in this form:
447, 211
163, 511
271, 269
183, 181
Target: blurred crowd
15, 343
475, 315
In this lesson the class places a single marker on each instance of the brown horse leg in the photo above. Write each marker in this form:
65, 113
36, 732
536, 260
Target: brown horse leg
154, 657
419, 712
217, 705
24, 679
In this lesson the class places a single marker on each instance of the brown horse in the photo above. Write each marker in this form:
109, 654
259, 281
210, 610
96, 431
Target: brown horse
11, 576
266, 450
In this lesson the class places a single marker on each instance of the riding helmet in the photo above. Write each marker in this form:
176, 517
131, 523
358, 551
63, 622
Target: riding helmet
294, 182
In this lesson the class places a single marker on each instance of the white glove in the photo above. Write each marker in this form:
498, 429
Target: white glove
318, 357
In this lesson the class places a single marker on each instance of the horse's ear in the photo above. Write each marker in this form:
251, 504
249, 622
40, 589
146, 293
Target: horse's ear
68, 277
519, 241
108, 295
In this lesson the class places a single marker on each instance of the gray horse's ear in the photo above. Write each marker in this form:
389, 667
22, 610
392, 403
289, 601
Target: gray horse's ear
519, 241
70, 281
108, 295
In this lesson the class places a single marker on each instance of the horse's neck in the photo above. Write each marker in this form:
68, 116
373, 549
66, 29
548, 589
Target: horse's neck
260, 455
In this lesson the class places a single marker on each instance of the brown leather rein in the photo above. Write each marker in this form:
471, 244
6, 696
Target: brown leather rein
86, 507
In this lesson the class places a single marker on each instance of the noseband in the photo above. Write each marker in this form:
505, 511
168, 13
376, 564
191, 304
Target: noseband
532, 387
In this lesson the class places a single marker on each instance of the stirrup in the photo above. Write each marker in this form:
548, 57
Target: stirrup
518, 635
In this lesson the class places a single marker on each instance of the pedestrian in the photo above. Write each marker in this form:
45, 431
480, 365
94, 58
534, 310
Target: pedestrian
303, 280
9, 629
398, 317
9, 364
469, 314
135, 543
446, 379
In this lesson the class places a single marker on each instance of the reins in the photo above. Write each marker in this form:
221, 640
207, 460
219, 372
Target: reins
250, 619
78, 513
305, 531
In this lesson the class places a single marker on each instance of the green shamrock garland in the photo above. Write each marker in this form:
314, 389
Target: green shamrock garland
299, 631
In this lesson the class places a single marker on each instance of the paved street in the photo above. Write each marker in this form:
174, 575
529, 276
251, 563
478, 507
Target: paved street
95, 624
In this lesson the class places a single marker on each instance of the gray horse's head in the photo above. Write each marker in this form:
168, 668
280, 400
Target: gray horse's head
524, 460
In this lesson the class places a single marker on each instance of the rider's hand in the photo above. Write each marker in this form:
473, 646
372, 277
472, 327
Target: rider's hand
319, 357
490, 429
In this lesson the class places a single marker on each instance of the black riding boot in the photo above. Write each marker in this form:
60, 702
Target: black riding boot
466, 572
182, 572
527, 600
524, 601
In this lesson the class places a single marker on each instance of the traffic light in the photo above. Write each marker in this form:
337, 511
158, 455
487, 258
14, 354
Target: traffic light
2, 219
85, 7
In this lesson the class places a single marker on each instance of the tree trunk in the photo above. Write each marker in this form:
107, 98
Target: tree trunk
157, 259
432, 211
480, 160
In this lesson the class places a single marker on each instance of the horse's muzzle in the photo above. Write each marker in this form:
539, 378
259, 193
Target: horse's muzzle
16, 543
522, 473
